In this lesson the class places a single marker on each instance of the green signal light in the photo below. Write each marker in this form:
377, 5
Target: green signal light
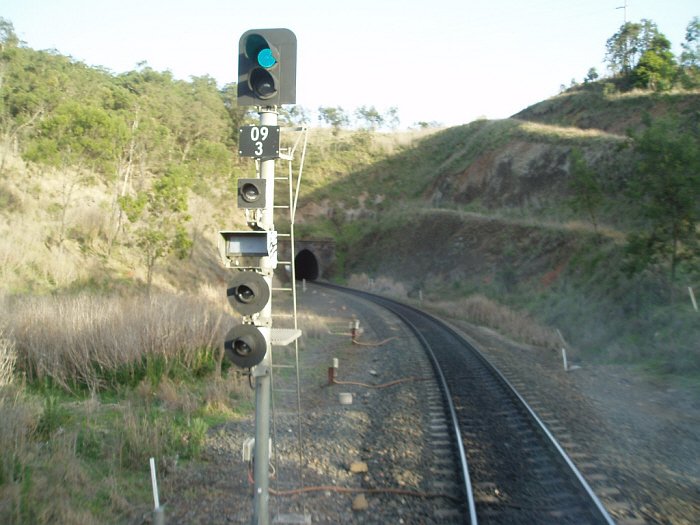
266, 59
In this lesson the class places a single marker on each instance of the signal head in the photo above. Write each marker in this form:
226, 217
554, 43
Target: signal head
248, 292
267, 67
245, 346
251, 193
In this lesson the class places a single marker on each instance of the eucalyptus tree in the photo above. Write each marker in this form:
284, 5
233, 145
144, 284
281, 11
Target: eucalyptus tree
625, 48
666, 192
336, 117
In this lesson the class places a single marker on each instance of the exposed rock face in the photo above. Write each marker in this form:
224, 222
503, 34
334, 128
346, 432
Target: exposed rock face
518, 174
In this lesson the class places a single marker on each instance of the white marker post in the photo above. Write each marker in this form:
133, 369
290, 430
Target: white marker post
158, 511
692, 298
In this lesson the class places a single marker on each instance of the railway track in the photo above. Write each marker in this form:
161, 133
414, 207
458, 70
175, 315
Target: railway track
512, 470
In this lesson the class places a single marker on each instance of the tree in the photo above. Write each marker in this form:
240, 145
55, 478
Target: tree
8, 37
666, 193
229, 96
690, 57
371, 118
79, 135
586, 187
656, 68
422, 124
296, 115
591, 76
392, 117
335, 116
625, 47
160, 215
203, 114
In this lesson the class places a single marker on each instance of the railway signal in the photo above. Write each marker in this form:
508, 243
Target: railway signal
267, 63
253, 256
251, 194
245, 345
266, 79
248, 292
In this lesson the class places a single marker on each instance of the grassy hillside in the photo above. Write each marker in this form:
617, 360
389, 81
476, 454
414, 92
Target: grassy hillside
600, 105
490, 208
519, 162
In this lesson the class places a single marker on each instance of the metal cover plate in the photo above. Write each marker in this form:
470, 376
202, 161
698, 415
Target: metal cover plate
284, 336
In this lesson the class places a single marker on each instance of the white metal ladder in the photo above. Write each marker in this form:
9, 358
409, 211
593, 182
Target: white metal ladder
285, 373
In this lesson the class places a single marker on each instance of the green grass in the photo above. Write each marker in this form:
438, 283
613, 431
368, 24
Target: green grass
94, 451
79, 427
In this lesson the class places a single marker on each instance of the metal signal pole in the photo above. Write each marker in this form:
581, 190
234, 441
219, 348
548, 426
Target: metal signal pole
262, 372
266, 79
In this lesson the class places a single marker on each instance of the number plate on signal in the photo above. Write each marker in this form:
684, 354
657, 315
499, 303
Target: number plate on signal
260, 142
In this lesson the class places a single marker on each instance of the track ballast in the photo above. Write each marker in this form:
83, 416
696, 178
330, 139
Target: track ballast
513, 469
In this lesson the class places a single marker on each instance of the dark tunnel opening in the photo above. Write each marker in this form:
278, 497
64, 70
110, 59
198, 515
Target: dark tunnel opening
306, 265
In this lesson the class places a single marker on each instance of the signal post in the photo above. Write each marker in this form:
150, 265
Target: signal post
266, 79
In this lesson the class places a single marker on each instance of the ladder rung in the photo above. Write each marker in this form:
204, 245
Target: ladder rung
283, 289
283, 366
281, 178
284, 235
281, 207
283, 316
284, 390
284, 262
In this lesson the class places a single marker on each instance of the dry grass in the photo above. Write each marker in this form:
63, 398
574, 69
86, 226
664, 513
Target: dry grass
480, 310
8, 356
475, 309
380, 285
313, 326
19, 422
40, 246
565, 133
94, 340
56, 226
76, 460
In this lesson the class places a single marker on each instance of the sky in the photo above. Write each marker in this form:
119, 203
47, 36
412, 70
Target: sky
445, 61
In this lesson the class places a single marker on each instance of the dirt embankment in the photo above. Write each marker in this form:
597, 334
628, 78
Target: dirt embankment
522, 173
450, 247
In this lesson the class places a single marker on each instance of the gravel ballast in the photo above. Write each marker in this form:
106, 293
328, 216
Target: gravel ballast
636, 444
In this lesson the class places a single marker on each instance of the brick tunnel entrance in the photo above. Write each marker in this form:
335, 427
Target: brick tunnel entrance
306, 265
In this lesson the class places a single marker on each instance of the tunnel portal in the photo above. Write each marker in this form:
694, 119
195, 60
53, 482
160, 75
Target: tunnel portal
306, 265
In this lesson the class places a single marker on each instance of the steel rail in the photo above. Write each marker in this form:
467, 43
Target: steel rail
464, 466
552, 440
394, 306
454, 420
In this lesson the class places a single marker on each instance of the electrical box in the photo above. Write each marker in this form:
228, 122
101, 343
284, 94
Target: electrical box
248, 249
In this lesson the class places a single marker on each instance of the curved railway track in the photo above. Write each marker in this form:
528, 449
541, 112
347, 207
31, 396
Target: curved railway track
512, 469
